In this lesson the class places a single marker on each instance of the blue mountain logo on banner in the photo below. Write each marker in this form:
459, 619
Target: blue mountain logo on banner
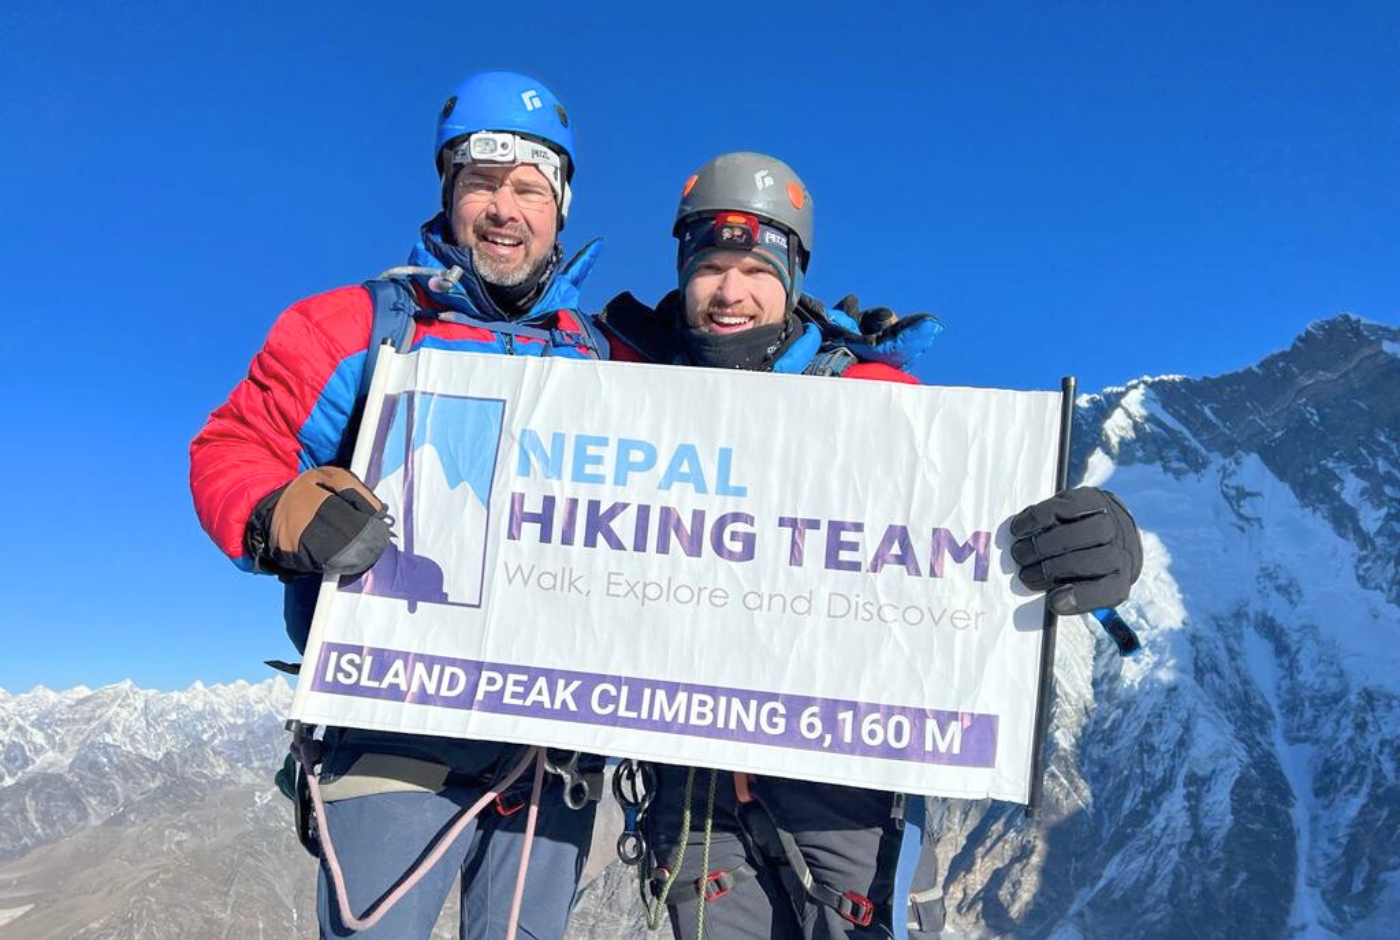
435, 451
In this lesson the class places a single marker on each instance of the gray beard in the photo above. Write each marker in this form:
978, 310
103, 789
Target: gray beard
492, 272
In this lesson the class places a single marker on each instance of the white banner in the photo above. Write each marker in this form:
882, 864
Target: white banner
786, 575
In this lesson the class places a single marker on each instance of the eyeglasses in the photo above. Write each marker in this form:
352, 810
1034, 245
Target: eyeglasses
478, 186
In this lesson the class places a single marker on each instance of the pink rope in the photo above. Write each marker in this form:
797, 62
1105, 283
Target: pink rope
444, 842
530, 818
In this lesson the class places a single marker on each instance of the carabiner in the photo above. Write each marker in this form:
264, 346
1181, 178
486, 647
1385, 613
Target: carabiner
576, 791
631, 847
634, 784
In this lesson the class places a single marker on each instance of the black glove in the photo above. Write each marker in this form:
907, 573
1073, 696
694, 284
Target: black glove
324, 521
872, 320
810, 308
1082, 546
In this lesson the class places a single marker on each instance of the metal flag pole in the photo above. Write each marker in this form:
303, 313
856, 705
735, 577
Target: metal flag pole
1047, 643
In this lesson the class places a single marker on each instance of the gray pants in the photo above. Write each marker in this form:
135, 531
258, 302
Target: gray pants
847, 838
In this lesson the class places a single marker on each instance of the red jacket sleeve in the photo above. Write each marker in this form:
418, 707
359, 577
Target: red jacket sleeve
879, 372
287, 416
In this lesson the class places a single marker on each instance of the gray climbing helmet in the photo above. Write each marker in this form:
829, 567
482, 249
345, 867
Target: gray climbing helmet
749, 184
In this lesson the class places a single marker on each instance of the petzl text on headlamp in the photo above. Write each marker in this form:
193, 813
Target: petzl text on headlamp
501, 148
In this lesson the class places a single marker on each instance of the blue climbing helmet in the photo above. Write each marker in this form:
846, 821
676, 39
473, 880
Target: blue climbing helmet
505, 119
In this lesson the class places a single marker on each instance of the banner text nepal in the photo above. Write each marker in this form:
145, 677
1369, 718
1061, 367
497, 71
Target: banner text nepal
734, 536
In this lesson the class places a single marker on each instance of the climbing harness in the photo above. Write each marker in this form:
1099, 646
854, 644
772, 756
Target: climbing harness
307, 752
654, 897
768, 837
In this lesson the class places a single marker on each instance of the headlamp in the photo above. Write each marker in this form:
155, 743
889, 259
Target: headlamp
502, 148
735, 230
506, 149
491, 147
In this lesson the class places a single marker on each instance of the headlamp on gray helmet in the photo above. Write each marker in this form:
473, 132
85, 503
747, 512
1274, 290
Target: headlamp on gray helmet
771, 200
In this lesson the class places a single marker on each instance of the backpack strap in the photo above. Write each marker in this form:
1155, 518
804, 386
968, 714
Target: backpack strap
395, 307
552, 337
590, 335
391, 321
833, 361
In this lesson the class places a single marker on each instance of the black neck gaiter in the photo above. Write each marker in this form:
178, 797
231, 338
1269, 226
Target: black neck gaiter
753, 349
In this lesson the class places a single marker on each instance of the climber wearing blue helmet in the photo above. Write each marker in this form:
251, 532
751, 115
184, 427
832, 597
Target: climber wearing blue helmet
396, 818
505, 154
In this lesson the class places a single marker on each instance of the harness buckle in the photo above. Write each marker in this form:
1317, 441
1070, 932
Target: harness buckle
562, 337
508, 804
716, 885
860, 910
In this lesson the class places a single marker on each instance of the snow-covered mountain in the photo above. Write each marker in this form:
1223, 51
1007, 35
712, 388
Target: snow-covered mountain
128, 814
72, 759
1239, 778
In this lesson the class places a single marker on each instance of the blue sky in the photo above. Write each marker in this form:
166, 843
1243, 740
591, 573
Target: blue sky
1096, 188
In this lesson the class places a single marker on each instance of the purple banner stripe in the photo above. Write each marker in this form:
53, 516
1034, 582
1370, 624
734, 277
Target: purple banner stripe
832, 726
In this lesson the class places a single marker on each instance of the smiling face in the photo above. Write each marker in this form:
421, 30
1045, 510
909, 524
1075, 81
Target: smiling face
732, 291
507, 218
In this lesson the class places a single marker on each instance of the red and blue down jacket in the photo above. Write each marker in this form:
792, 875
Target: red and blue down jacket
301, 397
292, 411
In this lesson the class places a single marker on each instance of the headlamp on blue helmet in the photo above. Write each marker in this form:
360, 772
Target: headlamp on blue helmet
499, 148
506, 119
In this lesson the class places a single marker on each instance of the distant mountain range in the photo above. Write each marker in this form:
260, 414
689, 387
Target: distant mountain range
1238, 779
